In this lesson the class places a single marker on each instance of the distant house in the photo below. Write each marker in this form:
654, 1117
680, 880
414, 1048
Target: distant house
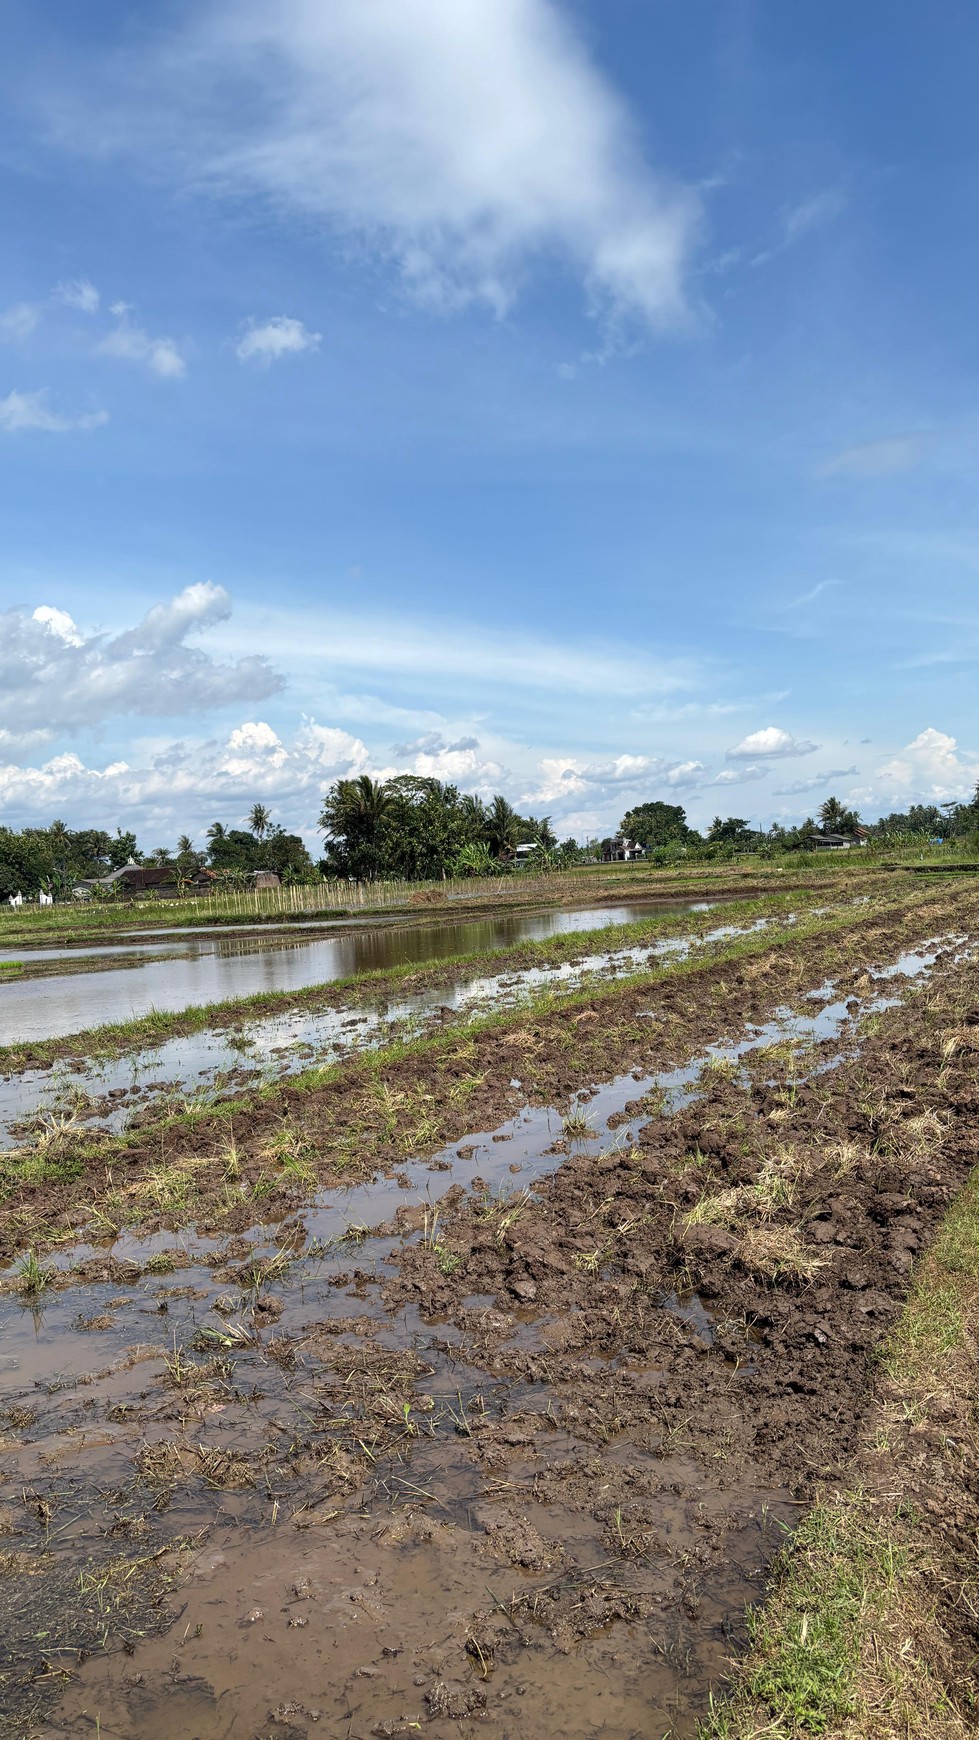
265, 879
622, 851
142, 881
829, 842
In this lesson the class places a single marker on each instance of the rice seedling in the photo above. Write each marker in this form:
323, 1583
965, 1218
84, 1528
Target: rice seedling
32, 1276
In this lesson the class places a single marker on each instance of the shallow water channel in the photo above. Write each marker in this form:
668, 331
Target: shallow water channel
212, 968
391, 1572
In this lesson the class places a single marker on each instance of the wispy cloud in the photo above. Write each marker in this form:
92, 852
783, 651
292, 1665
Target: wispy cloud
459, 655
884, 458
462, 143
770, 742
30, 411
18, 322
818, 782
278, 337
813, 213
801, 220
810, 596
78, 293
132, 344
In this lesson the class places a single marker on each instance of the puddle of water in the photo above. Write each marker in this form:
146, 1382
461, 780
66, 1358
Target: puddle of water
211, 968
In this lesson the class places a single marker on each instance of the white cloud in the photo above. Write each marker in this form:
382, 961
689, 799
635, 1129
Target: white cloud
771, 741
18, 322
876, 458
132, 344
930, 767
281, 336
462, 141
818, 782
79, 293
739, 775
561, 778
460, 655
30, 411
53, 677
58, 623
180, 786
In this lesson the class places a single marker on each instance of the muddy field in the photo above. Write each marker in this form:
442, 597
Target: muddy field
478, 1380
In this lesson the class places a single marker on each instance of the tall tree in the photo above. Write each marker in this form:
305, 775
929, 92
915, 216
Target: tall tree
836, 818
258, 820
657, 824
502, 828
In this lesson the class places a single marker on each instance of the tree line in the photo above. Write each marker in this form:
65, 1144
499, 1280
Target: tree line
663, 831
420, 829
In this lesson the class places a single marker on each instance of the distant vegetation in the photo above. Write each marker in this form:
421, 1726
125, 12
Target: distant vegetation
419, 829
662, 829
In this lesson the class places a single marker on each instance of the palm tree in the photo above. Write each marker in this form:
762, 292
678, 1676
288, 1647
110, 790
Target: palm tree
502, 828
258, 820
216, 831
836, 818
352, 816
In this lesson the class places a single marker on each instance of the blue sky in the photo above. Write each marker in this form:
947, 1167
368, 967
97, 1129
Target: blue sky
570, 399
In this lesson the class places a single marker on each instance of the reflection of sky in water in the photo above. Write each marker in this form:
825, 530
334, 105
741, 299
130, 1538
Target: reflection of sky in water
212, 968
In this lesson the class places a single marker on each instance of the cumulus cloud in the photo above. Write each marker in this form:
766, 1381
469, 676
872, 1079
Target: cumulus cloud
132, 343
18, 322
278, 337
876, 458
79, 293
186, 784
55, 677
31, 411
771, 742
463, 143
561, 778
931, 767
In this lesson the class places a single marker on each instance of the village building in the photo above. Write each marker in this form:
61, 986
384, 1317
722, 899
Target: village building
622, 851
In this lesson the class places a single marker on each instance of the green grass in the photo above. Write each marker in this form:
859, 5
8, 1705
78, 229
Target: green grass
849, 1643
837, 1575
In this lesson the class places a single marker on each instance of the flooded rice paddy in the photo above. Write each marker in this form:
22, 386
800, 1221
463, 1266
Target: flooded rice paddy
377, 1511
174, 971
110, 1093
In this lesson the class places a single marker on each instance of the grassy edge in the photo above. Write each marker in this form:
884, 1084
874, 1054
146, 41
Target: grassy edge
850, 1642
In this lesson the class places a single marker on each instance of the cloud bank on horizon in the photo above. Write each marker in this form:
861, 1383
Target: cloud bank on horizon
483, 389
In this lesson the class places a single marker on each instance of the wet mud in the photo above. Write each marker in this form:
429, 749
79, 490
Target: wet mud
512, 1429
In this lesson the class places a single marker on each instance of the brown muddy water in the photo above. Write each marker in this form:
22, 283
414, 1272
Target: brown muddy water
372, 1540
213, 968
